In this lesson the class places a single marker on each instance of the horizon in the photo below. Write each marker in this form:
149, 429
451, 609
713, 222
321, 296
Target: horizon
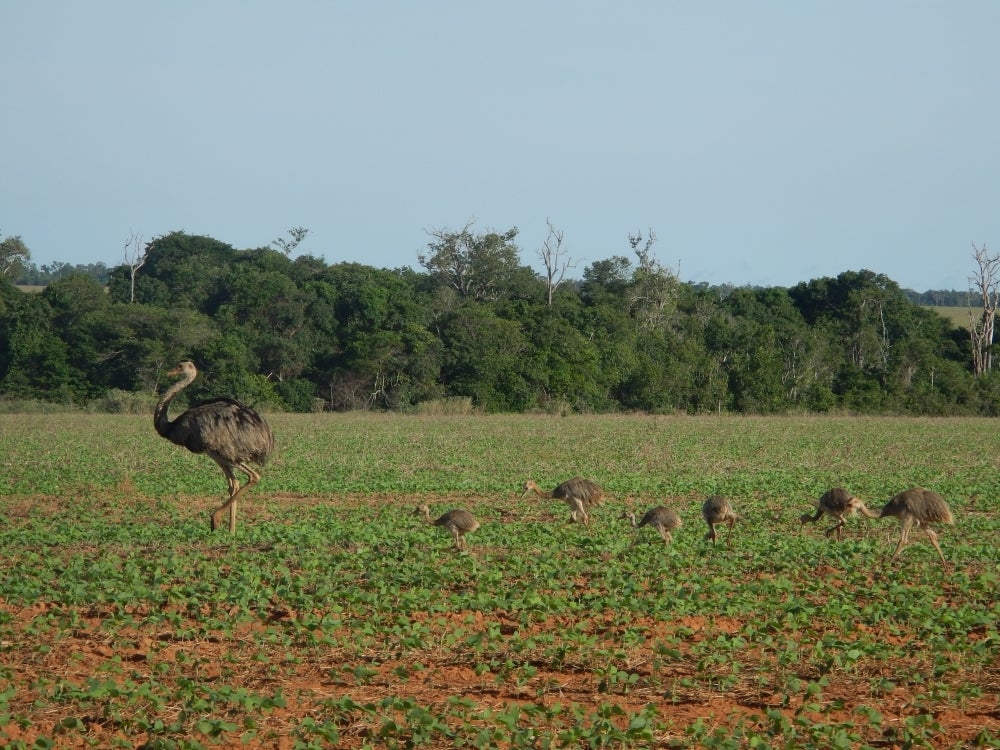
74, 267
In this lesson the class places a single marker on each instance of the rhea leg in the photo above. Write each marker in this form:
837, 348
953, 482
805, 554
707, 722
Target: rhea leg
903, 536
252, 478
234, 492
934, 541
729, 536
838, 527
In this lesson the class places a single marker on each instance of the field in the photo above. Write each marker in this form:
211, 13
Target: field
959, 316
336, 618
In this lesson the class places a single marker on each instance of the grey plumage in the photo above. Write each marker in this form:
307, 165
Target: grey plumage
837, 503
920, 508
579, 494
458, 522
662, 519
232, 434
715, 510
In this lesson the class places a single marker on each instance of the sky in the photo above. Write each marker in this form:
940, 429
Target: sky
764, 143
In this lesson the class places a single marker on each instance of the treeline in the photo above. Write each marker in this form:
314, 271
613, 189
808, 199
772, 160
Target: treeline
476, 326
942, 298
33, 275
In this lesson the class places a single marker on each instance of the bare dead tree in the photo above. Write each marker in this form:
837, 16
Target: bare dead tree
986, 285
556, 265
135, 258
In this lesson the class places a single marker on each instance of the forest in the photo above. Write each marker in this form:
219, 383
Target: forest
478, 330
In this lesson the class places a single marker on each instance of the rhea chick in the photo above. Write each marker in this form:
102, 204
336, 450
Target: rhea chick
663, 519
837, 503
458, 522
715, 510
579, 494
918, 508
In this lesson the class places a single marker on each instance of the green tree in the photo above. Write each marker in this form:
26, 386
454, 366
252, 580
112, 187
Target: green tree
14, 257
486, 358
564, 364
773, 359
606, 281
34, 361
141, 342
380, 352
180, 270
480, 267
654, 288
269, 310
883, 346
77, 304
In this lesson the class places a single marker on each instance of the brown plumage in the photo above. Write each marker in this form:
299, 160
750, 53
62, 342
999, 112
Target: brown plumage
919, 508
579, 494
837, 503
459, 522
715, 510
663, 519
233, 435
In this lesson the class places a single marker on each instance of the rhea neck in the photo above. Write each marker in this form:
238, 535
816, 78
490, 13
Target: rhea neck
160, 419
532, 487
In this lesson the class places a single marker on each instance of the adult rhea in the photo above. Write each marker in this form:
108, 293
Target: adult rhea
232, 434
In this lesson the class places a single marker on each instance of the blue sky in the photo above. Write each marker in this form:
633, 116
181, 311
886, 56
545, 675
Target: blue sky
763, 142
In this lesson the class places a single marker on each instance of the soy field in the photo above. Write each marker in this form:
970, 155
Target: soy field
335, 617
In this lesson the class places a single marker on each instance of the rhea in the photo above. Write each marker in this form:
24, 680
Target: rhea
715, 510
662, 519
579, 494
918, 508
459, 522
232, 434
837, 503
